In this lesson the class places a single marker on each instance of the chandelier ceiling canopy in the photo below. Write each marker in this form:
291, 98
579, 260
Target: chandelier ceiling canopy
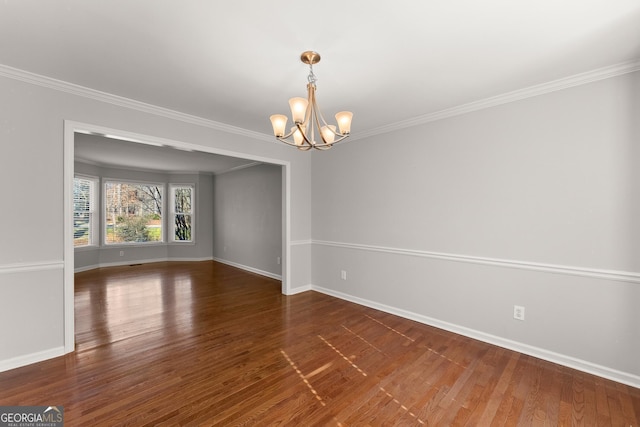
310, 129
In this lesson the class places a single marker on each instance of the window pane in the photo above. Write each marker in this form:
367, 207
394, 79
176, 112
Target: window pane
182, 213
133, 213
81, 228
182, 200
83, 200
81, 194
183, 227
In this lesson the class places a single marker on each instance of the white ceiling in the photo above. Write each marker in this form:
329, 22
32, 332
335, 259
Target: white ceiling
109, 152
237, 62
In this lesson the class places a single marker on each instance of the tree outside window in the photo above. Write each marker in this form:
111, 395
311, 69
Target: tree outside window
182, 212
133, 212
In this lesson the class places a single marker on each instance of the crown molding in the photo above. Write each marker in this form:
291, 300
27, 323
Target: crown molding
516, 95
505, 98
62, 86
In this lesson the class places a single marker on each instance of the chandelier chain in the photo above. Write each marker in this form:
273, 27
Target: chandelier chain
312, 77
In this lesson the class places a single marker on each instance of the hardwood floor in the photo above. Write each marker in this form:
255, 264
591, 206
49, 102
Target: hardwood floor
207, 344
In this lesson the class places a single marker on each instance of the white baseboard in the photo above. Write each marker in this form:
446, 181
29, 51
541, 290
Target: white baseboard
17, 362
250, 269
139, 261
148, 261
540, 353
299, 290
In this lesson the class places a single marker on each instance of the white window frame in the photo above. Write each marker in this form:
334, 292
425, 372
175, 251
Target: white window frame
171, 217
94, 208
163, 189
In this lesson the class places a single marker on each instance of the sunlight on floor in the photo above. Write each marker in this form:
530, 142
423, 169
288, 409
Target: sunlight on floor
302, 377
305, 378
390, 328
353, 365
404, 408
363, 340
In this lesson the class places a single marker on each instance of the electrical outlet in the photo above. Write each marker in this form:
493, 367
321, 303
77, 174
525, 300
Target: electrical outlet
278, 260
121, 253
343, 275
518, 312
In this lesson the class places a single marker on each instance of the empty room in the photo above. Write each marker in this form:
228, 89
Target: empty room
342, 213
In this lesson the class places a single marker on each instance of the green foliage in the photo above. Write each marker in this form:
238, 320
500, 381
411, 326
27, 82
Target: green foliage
132, 229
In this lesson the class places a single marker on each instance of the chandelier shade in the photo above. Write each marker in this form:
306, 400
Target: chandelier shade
310, 130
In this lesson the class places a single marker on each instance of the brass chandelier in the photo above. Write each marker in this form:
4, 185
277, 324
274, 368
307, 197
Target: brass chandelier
308, 119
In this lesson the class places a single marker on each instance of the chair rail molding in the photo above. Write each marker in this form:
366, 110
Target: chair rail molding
621, 276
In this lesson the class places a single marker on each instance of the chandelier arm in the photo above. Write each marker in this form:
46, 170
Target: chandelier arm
293, 144
304, 147
298, 127
317, 117
340, 138
339, 135
283, 137
308, 146
311, 117
314, 119
320, 118
319, 112
303, 133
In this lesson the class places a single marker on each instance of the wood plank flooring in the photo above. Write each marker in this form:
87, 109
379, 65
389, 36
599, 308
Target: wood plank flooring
206, 344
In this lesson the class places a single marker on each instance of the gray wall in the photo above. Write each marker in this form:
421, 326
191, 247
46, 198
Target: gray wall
533, 203
202, 246
248, 218
33, 266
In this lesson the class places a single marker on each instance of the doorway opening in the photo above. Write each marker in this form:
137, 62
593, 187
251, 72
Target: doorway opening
72, 129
